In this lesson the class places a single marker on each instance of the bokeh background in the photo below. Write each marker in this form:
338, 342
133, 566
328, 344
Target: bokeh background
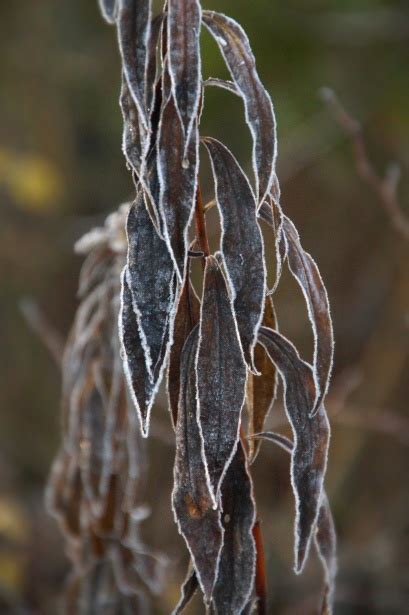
62, 172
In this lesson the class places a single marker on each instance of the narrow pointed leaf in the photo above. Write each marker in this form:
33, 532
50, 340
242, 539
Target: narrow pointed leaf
241, 242
261, 390
139, 380
109, 10
197, 520
272, 213
224, 84
184, 22
221, 377
307, 274
235, 48
311, 437
325, 535
187, 316
305, 271
237, 562
150, 279
178, 183
134, 23
188, 590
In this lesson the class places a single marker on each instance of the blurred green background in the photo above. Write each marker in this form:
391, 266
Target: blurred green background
62, 171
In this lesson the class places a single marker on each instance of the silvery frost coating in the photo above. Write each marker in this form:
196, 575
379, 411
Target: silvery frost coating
95, 489
220, 345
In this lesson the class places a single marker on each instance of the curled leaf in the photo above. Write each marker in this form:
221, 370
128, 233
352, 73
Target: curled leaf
109, 10
311, 437
221, 377
197, 520
178, 173
150, 279
325, 535
187, 316
241, 242
134, 25
224, 84
306, 272
237, 562
188, 590
184, 22
261, 389
235, 48
137, 374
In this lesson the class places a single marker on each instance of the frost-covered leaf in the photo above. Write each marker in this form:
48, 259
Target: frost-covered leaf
221, 377
271, 212
187, 591
305, 271
178, 173
134, 25
325, 535
311, 437
184, 22
138, 377
261, 390
187, 316
109, 10
235, 48
237, 562
241, 242
197, 520
307, 274
224, 84
150, 276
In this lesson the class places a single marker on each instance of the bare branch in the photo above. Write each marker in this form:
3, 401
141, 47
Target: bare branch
385, 187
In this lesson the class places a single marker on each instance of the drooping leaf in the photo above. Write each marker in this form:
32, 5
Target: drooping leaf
150, 279
184, 22
224, 84
136, 139
138, 377
235, 48
187, 316
311, 437
325, 535
261, 390
188, 590
307, 274
272, 213
241, 242
134, 25
305, 271
109, 10
178, 173
237, 562
221, 377
197, 520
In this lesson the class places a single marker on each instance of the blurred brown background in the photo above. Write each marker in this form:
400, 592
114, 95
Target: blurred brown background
62, 171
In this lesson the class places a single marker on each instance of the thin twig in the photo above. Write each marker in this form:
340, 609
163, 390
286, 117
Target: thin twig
385, 187
49, 336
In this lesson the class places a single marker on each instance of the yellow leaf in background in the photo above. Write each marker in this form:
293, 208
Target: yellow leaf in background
33, 181
13, 523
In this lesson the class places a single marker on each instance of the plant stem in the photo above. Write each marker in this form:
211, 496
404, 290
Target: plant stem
200, 222
261, 577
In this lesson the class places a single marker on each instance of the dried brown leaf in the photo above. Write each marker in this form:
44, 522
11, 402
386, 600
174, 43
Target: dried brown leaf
134, 24
325, 535
237, 562
197, 520
178, 167
261, 390
150, 275
187, 591
235, 48
221, 377
241, 242
184, 23
109, 10
311, 437
187, 316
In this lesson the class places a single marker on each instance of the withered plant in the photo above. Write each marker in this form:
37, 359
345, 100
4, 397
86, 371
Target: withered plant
221, 350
